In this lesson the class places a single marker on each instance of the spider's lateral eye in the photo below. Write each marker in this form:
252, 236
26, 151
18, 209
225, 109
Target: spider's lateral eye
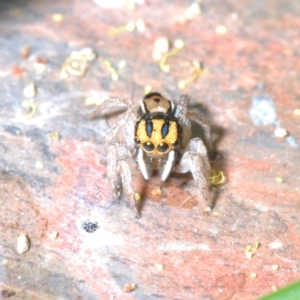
163, 147
175, 143
137, 140
148, 146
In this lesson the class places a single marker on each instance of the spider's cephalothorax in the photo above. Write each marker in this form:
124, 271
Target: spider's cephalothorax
158, 136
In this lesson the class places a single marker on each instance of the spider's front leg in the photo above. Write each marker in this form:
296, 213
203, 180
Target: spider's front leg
205, 125
186, 116
112, 170
195, 160
111, 103
119, 174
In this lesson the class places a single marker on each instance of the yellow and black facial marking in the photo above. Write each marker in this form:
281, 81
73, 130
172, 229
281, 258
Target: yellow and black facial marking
156, 103
157, 135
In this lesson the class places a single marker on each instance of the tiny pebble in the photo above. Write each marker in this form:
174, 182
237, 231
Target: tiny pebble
192, 11
25, 51
40, 67
53, 235
115, 77
130, 26
179, 44
57, 17
221, 30
122, 64
94, 100
23, 243
39, 165
41, 123
156, 191
280, 132
137, 197
129, 287
88, 53
297, 112
29, 91
162, 44
207, 209
182, 84
147, 89
140, 25
54, 135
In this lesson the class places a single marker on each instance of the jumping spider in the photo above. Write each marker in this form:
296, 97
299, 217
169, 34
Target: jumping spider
158, 136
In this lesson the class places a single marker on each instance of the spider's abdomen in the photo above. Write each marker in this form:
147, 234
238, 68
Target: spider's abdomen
156, 103
157, 134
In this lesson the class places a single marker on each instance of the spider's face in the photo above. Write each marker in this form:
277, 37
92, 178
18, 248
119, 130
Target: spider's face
158, 131
157, 135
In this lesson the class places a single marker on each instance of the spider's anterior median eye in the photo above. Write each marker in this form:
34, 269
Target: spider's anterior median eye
163, 147
148, 146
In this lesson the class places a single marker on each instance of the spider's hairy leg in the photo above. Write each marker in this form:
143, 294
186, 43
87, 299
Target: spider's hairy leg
119, 173
205, 124
183, 105
195, 160
131, 117
112, 103
186, 116
127, 121
126, 178
186, 124
112, 170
